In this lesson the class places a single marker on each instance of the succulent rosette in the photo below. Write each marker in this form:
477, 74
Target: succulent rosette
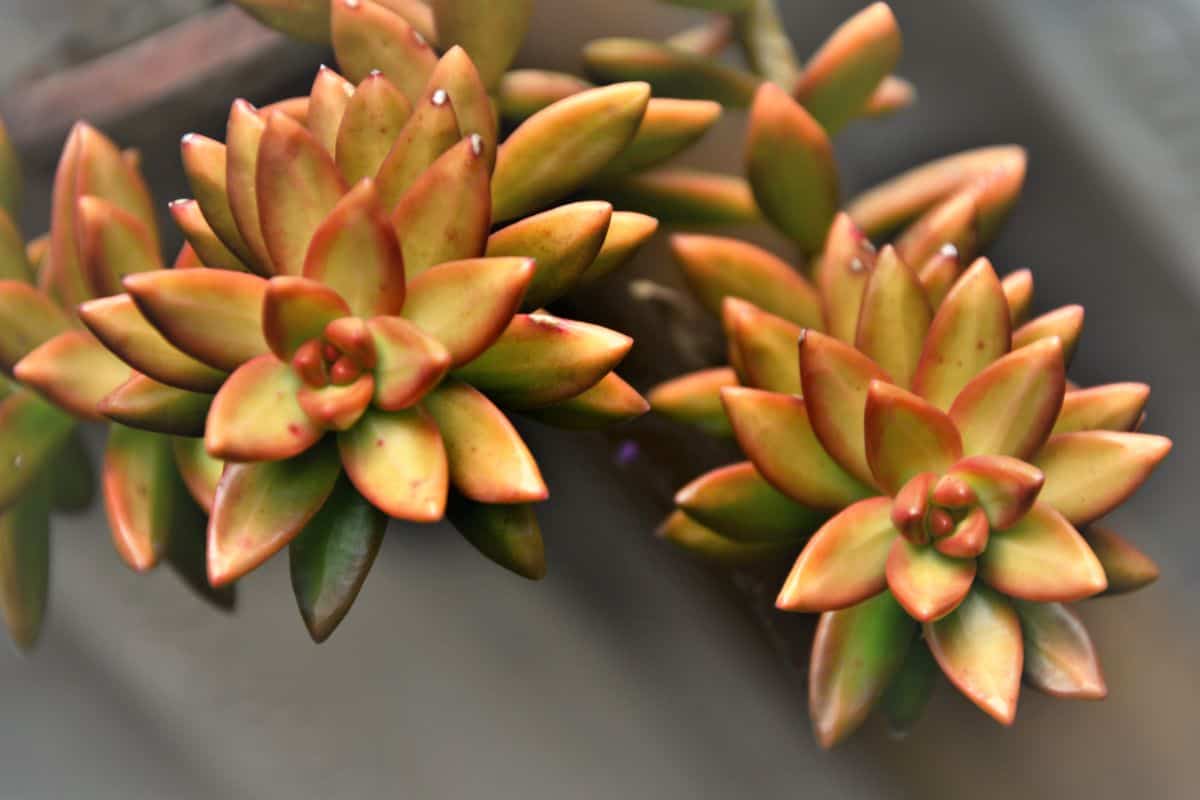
358, 324
102, 228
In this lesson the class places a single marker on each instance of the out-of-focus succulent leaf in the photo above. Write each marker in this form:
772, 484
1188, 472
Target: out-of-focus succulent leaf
368, 36
25, 564
695, 399
31, 432
906, 697
627, 232
524, 92
113, 243
707, 38
10, 174
563, 242
954, 222
490, 30
738, 503
1018, 292
303, 19
668, 128
686, 197
73, 487
891, 95
1060, 659
73, 371
1111, 407
28, 318
766, 44
710, 547
1126, 567
507, 534
608, 402
14, 260
672, 71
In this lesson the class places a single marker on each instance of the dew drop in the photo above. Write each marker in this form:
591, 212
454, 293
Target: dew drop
949, 250
352, 3
375, 73
440, 97
476, 143
188, 138
18, 461
856, 265
419, 39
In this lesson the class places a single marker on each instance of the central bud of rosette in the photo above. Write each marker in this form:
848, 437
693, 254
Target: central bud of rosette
955, 511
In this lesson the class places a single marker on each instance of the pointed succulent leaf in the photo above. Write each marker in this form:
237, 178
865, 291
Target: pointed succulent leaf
73, 371
970, 537
467, 305
836, 378
737, 502
293, 107
31, 432
148, 405
120, 327
1089, 473
672, 71
297, 186
668, 128
1010, 407
707, 545
208, 247
686, 197
563, 242
416, 12
337, 407
327, 101
457, 76
695, 399
369, 36
296, 311
25, 564
541, 359
609, 402
1126, 567
113, 243
490, 30
36, 251
891, 95
331, 556
775, 432
1111, 407
257, 417
446, 214
717, 267
1060, 659
894, 202
1004, 487
844, 562
970, 330
789, 161
212, 315
564, 146
408, 362
1065, 323
372, 121
206, 164
978, 647
185, 553
856, 653
139, 492
303, 19
74, 484
243, 135
104, 171
62, 276
28, 318
953, 222
431, 131
841, 76
488, 460
906, 697
765, 345
507, 534
627, 232
261, 506
1018, 291
894, 317
397, 462
842, 272
524, 92
927, 583
940, 272
1042, 558
200, 471
15, 264
906, 436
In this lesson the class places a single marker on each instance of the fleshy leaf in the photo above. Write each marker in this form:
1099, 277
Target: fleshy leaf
303, 19
1060, 659
200, 471
431, 131
1009, 408
709, 546
736, 502
260, 507
373, 118
856, 653
905, 436
978, 647
672, 71
774, 431
927, 583
330, 558
456, 74
206, 164
296, 310
1126, 567
327, 101
627, 232
397, 461
765, 346
1004, 487
940, 272
490, 30
25, 564
563, 146
257, 417
891, 95
563, 242
28, 318
10, 174
1090, 473
970, 537
541, 359
524, 92
62, 275
717, 267
836, 378
409, 363
610, 401
243, 135
841, 76
1018, 291
695, 399
467, 305
205, 243
212, 315
894, 317
74, 484
144, 403
1111, 407
113, 243
73, 371
446, 214
1066, 323
970, 330
908, 694
507, 534
953, 222
337, 407
1042, 558
488, 461
844, 562
15, 264
139, 493
368, 36
668, 128
789, 161
842, 272
683, 196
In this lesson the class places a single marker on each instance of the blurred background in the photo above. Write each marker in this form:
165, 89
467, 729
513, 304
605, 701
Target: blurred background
630, 671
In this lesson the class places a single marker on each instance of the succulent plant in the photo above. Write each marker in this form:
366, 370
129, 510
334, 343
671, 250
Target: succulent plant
359, 324
102, 228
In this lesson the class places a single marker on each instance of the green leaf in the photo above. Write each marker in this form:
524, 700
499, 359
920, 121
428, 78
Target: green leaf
25, 564
507, 534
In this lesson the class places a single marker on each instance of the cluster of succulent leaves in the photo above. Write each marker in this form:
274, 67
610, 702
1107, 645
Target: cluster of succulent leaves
910, 434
